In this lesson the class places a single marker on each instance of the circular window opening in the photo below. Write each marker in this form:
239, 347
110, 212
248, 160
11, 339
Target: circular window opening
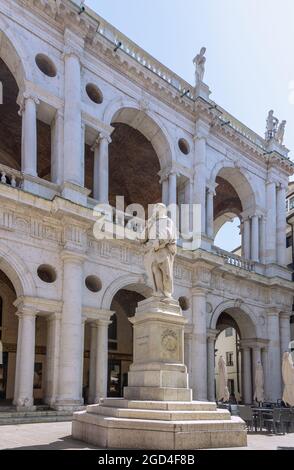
46, 65
93, 283
184, 146
46, 273
94, 93
184, 303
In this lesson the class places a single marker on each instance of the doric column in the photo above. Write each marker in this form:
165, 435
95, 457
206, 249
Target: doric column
255, 238
82, 357
247, 375
72, 111
271, 227
70, 374
28, 112
57, 145
165, 190
92, 367
199, 345
52, 357
25, 359
274, 356
264, 353
284, 332
101, 360
256, 357
101, 168
211, 337
209, 213
281, 225
172, 188
262, 239
246, 237
200, 178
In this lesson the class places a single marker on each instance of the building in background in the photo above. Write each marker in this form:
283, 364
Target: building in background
87, 116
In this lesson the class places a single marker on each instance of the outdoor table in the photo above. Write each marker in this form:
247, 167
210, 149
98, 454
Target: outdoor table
258, 412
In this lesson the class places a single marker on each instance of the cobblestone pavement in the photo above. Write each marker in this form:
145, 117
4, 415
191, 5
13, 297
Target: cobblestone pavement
56, 436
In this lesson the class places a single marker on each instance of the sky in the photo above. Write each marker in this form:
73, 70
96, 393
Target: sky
250, 49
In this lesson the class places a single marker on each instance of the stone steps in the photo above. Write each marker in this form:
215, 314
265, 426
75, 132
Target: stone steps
160, 415
24, 417
158, 405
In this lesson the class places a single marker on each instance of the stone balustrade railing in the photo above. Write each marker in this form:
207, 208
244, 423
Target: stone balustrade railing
234, 260
10, 177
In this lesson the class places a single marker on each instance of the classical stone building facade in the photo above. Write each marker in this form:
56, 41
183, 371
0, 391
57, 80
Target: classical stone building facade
87, 116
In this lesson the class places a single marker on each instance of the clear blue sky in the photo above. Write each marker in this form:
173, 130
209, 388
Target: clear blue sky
250, 49
250, 54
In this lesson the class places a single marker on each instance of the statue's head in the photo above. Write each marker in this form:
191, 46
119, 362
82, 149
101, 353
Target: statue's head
283, 123
271, 112
202, 50
159, 211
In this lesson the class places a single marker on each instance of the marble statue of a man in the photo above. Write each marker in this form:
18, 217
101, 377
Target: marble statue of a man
280, 132
160, 251
271, 125
199, 62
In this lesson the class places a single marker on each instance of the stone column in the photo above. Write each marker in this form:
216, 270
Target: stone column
29, 134
82, 357
165, 190
172, 188
72, 117
200, 178
25, 359
246, 238
281, 225
52, 357
199, 345
69, 390
101, 360
57, 144
284, 332
209, 213
262, 239
256, 357
255, 238
274, 356
101, 168
247, 375
271, 227
264, 353
92, 368
211, 365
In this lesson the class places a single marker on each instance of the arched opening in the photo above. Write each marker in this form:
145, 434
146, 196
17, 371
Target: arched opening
8, 339
237, 343
228, 346
120, 350
12, 78
233, 197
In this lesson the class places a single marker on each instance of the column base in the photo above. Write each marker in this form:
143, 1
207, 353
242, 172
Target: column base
68, 405
26, 408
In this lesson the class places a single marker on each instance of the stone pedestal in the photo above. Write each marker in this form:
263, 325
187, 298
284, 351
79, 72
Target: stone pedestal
157, 411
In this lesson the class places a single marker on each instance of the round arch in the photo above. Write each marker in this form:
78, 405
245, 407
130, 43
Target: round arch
133, 282
17, 272
130, 112
13, 54
240, 180
240, 313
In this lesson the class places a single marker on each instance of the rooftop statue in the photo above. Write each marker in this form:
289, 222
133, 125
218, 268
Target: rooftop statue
160, 251
271, 125
199, 62
281, 132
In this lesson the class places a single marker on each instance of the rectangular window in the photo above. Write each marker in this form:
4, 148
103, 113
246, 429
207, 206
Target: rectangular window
231, 386
288, 241
229, 358
229, 332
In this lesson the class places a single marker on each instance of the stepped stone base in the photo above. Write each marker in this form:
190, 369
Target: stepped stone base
132, 424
